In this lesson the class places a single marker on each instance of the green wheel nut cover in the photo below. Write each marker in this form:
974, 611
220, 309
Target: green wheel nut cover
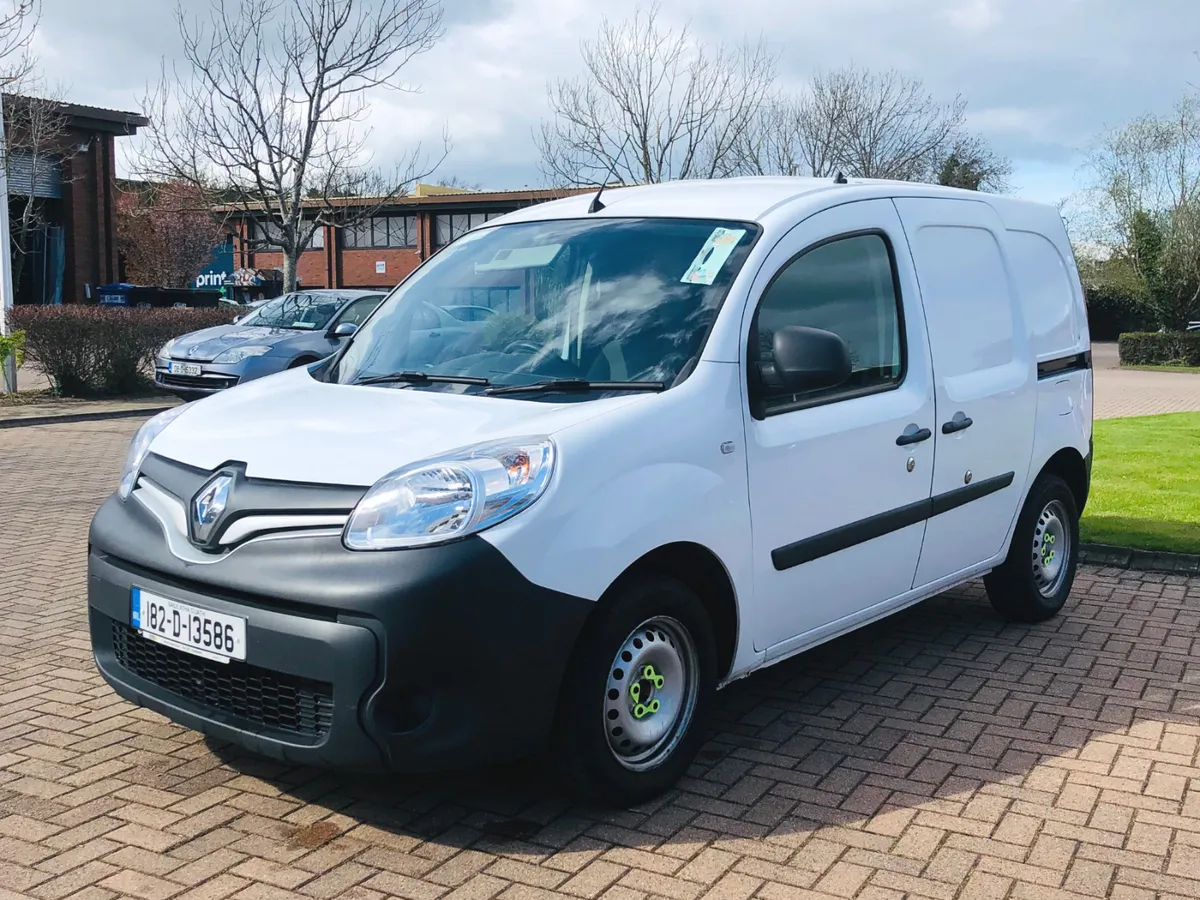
642, 710
652, 676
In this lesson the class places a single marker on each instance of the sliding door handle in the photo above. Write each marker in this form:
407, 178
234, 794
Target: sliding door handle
960, 422
913, 435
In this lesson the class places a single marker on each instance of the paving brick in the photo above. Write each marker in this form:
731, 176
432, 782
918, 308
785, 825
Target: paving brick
936, 755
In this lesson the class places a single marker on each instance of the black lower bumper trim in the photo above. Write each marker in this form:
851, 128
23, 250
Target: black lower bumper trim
430, 654
255, 696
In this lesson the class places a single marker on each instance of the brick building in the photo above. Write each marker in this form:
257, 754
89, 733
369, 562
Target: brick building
383, 249
73, 178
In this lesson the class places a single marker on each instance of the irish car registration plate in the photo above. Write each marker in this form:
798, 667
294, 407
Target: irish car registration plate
181, 368
202, 632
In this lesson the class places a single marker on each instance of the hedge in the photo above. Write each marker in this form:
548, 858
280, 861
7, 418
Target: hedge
89, 351
1173, 348
1112, 312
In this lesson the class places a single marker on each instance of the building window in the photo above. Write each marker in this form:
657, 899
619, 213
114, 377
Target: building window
382, 231
450, 226
267, 237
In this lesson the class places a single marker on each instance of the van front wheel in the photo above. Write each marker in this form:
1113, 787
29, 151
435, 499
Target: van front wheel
633, 708
1033, 583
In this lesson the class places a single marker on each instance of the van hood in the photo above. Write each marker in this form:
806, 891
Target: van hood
291, 427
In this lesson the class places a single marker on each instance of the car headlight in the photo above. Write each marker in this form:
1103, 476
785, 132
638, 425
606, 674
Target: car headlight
140, 446
165, 352
451, 496
237, 354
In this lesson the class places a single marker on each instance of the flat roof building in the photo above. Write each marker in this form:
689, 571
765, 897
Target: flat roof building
379, 251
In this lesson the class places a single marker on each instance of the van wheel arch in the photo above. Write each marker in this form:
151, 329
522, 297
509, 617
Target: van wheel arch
1069, 465
702, 572
302, 361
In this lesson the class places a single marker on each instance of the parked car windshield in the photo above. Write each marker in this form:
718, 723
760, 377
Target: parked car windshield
307, 312
603, 300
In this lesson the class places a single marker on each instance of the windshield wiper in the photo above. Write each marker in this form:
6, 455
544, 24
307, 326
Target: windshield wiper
577, 385
422, 378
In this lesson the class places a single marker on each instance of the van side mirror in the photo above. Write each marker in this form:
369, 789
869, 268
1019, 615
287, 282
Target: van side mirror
808, 359
236, 319
345, 329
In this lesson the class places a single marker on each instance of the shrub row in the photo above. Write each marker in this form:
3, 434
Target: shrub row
89, 351
1154, 349
1111, 312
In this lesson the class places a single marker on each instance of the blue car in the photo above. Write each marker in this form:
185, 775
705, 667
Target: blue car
293, 330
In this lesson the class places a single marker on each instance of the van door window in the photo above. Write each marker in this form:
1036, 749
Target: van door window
846, 286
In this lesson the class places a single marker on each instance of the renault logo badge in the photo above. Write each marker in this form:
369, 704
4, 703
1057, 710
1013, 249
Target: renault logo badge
208, 507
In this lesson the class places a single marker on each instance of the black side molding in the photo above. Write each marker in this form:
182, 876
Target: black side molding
847, 536
943, 503
1076, 362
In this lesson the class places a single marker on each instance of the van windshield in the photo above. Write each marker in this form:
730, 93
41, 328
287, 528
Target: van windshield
597, 301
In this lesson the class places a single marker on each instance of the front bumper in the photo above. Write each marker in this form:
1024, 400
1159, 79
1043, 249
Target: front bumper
214, 377
415, 660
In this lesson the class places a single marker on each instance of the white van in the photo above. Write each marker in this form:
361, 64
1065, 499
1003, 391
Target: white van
709, 425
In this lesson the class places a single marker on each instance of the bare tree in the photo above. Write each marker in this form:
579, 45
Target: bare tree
166, 232
458, 183
1144, 202
869, 125
18, 20
267, 120
654, 105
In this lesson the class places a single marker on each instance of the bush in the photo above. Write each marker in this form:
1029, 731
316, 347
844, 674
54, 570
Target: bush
12, 344
89, 351
1174, 348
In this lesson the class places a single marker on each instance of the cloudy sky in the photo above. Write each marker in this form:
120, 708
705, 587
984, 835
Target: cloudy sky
1042, 77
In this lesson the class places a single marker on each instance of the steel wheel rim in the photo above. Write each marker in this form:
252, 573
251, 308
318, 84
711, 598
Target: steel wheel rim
650, 694
1051, 549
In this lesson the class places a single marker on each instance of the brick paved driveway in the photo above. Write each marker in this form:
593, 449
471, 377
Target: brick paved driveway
941, 754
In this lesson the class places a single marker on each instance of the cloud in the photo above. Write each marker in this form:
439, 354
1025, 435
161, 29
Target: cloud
1041, 76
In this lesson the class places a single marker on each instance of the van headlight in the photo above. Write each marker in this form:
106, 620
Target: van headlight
451, 496
140, 446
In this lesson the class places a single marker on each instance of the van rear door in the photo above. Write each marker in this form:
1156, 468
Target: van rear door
985, 382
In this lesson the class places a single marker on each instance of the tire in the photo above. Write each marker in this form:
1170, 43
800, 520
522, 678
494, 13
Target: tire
303, 361
605, 742
1034, 581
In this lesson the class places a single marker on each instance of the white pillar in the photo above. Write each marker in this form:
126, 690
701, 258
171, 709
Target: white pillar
6, 285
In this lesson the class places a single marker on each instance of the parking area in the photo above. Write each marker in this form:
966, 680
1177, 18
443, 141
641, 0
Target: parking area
941, 754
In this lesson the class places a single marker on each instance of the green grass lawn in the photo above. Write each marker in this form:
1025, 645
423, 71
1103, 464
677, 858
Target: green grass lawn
1146, 483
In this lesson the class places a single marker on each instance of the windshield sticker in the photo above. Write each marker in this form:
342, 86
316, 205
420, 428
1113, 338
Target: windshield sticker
712, 256
304, 325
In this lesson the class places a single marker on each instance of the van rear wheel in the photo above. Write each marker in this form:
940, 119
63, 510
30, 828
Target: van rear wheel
1033, 583
636, 698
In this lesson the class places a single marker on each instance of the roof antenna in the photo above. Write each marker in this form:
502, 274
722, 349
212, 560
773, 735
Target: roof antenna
596, 204
839, 178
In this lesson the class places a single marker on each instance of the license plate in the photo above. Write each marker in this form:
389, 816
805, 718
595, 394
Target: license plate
202, 632
178, 368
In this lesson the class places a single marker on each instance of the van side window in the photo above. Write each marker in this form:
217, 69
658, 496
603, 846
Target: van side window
846, 286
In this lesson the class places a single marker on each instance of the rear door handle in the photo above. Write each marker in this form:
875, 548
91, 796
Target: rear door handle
913, 435
960, 422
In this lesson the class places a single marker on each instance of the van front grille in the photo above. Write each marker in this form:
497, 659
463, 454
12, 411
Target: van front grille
256, 696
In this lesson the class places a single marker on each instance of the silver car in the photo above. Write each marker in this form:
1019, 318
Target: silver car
293, 330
